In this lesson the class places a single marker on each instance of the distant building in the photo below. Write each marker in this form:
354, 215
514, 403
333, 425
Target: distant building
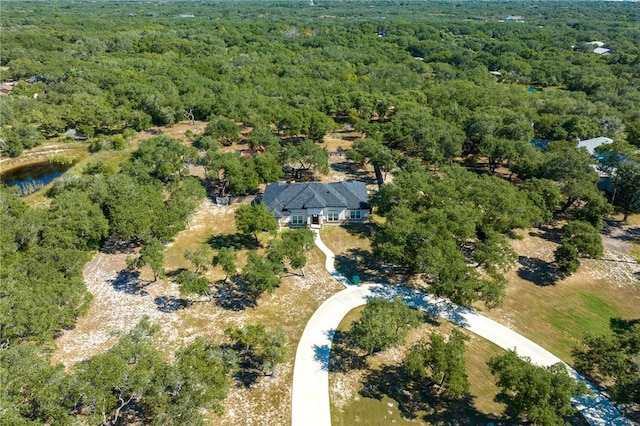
592, 144
602, 51
514, 18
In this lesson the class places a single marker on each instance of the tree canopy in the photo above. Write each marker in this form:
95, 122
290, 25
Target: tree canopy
383, 323
541, 395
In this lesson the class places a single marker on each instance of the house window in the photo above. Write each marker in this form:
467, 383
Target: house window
333, 217
297, 219
355, 214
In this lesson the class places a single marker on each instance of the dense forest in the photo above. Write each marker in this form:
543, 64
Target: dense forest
448, 97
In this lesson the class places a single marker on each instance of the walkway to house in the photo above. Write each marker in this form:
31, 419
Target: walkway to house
310, 394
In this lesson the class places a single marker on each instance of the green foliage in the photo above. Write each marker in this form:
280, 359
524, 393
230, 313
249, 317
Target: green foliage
259, 348
203, 377
191, 283
110, 72
579, 238
584, 237
374, 152
160, 157
74, 221
261, 274
129, 220
611, 360
226, 259
42, 293
200, 257
545, 194
292, 246
494, 254
305, 156
432, 220
233, 172
384, 323
440, 362
566, 257
152, 255
33, 390
541, 395
255, 218
222, 129
132, 378
110, 382
17, 139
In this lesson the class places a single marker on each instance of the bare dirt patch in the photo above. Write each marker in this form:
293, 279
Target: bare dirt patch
177, 131
121, 300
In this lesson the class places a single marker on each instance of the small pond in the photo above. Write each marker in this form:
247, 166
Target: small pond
30, 178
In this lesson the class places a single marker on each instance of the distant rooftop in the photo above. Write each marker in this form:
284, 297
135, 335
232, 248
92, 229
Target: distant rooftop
592, 144
602, 51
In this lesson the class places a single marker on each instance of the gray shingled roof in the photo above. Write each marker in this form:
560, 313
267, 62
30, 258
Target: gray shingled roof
287, 196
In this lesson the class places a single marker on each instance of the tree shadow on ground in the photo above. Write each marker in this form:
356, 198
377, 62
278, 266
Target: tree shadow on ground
548, 233
235, 296
168, 304
621, 325
174, 272
362, 230
416, 399
368, 268
418, 299
248, 374
631, 233
538, 271
236, 241
352, 171
249, 366
129, 282
344, 357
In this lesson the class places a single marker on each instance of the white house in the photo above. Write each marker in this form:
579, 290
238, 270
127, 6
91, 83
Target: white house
315, 204
592, 144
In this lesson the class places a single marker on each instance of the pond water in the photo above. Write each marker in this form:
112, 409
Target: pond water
30, 178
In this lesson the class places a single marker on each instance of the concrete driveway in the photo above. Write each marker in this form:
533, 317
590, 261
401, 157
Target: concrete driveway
310, 394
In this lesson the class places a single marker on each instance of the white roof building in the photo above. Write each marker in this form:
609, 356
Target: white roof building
602, 51
592, 144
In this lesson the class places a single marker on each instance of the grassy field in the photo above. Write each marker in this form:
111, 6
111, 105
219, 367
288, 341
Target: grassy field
554, 314
558, 314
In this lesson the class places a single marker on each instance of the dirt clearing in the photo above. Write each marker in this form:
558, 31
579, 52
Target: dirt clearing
121, 299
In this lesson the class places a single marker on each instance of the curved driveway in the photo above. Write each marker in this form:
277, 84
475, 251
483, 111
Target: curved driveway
310, 394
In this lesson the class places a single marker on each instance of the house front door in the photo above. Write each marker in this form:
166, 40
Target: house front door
315, 219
